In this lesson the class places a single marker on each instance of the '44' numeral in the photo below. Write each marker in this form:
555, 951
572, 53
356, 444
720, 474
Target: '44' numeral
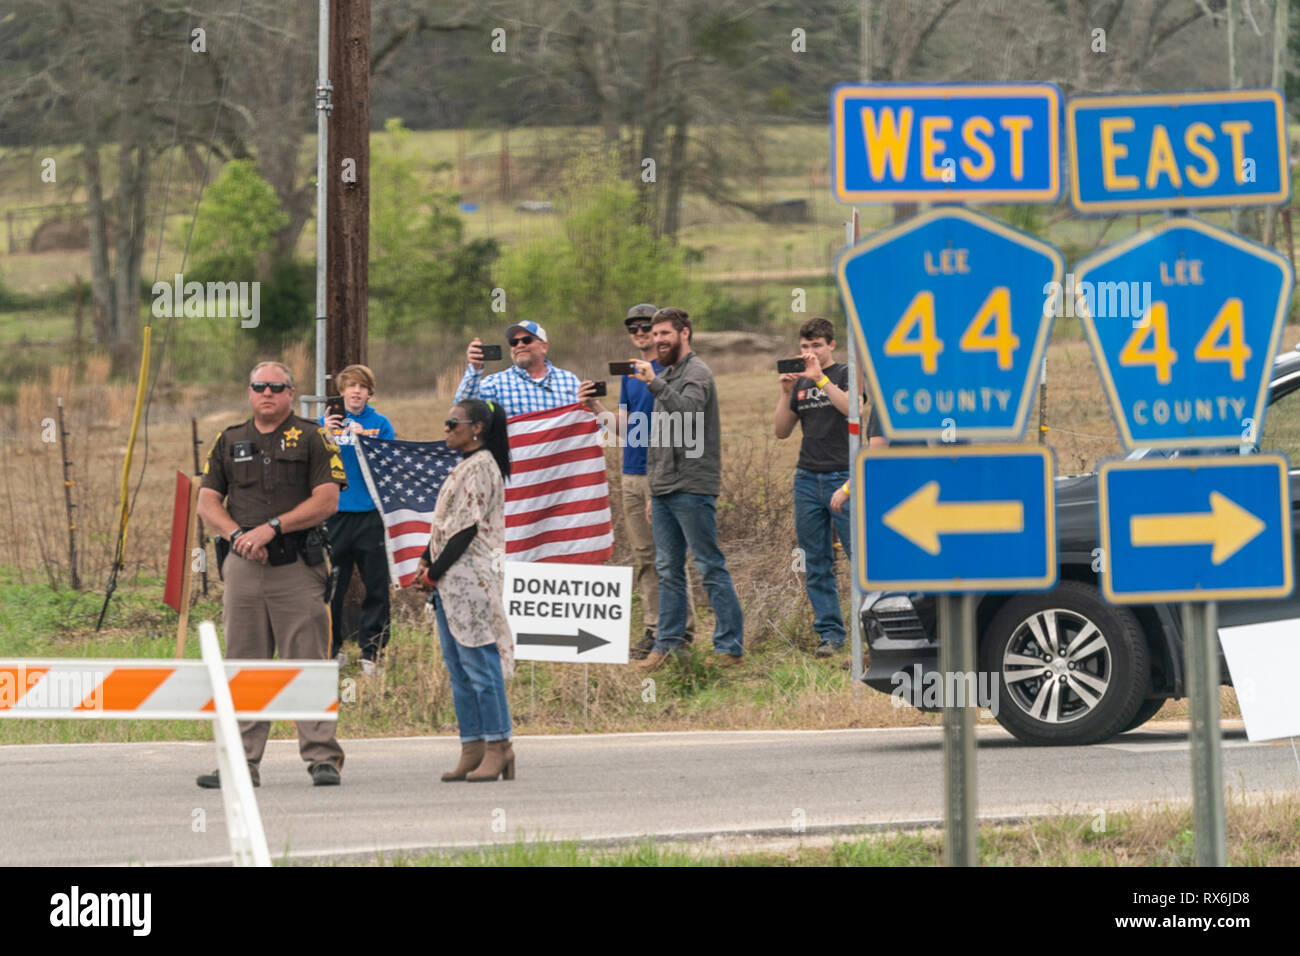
1149, 344
915, 333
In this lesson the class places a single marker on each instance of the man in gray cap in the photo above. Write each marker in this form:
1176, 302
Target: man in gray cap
635, 398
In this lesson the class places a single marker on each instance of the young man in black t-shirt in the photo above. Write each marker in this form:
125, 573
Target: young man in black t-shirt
818, 401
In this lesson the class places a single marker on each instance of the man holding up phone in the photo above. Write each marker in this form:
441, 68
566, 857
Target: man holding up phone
531, 384
635, 398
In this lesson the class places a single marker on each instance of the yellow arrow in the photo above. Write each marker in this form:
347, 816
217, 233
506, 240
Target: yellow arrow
1227, 526
920, 518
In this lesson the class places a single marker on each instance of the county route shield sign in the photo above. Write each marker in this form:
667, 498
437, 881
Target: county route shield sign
952, 312
1184, 320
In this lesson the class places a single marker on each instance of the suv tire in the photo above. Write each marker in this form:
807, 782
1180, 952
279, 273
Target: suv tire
1071, 668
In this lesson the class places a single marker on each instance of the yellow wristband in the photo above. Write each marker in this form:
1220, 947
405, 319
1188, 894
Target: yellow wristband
823, 381
845, 489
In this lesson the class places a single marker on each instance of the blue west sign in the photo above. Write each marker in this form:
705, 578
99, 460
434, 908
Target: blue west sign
1184, 320
945, 143
1196, 529
948, 311
956, 519
1130, 153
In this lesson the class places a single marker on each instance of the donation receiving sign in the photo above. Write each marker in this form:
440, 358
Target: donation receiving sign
572, 613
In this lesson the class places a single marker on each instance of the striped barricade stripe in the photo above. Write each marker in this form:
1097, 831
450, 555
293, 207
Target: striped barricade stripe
166, 690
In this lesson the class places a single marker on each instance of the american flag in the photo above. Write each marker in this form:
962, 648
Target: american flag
557, 498
403, 478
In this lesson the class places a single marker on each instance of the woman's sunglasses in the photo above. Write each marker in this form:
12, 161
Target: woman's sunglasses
453, 422
275, 387
639, 326
522, 340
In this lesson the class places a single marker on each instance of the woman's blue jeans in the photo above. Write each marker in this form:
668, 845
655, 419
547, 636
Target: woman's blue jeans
478, 689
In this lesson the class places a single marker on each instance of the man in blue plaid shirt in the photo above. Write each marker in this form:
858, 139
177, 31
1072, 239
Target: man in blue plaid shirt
531, 384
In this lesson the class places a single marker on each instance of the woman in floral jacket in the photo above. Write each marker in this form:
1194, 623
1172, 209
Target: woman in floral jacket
466, 548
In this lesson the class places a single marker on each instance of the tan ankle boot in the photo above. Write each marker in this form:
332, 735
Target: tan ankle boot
498, 761
471, 755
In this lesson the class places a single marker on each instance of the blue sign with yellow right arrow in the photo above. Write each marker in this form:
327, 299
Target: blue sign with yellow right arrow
1196, 529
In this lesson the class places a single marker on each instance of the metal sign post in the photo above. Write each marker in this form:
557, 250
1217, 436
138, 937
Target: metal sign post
945, 312
855, 494
1185, 362
1200, 634
957, 656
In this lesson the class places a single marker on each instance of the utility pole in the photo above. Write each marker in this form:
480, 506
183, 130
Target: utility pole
348, 186
1281, 33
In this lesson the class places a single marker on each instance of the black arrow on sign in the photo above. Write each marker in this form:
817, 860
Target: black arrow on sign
582, 641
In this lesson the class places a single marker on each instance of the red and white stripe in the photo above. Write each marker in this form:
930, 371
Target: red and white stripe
408, 536
166, 690
557, 499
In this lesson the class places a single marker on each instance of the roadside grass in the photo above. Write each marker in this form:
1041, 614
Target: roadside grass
1259, 833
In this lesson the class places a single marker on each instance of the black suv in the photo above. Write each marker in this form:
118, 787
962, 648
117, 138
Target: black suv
1134, 661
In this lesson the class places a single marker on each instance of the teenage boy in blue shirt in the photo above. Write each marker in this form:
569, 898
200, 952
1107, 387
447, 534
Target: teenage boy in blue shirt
357, 531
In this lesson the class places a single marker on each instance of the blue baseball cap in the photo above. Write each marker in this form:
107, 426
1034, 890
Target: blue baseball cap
532, 328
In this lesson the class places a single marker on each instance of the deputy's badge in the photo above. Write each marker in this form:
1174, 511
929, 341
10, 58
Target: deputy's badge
291, 436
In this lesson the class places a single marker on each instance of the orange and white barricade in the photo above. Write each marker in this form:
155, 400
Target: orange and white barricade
209, 689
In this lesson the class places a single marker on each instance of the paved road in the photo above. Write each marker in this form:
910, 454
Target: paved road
136, 803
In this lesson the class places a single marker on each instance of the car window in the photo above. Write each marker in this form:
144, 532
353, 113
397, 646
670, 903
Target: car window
1282, 427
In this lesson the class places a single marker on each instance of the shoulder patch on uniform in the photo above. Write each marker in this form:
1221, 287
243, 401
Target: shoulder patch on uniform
336, 462
327, 439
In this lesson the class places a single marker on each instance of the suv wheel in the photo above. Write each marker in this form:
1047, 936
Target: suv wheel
1072, 668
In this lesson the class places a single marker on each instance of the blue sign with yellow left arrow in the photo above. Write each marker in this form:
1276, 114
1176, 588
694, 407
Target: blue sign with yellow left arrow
957, 519
1204, 528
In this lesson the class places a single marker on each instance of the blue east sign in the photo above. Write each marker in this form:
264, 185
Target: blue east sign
955, 520
948, 311
1184, 320
1131, 153
945, 143
1198, 529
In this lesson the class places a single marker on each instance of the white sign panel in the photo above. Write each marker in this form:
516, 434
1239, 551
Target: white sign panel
572, 613
1265, 663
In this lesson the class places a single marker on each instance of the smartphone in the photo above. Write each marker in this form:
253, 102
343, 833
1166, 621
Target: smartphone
786, 366
491, 353
598, 390
334, 406
622, 368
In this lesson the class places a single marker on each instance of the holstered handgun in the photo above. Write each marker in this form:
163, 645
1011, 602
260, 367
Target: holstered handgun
222, 547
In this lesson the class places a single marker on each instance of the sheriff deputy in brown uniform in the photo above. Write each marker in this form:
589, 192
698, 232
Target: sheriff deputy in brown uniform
280, 476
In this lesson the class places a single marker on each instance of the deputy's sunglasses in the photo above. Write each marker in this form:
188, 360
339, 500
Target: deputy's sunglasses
454, 422
522, 340
275, 387
639, 326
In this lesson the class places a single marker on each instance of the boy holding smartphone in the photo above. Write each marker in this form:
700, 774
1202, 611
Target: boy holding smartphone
357, 531
818, 400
